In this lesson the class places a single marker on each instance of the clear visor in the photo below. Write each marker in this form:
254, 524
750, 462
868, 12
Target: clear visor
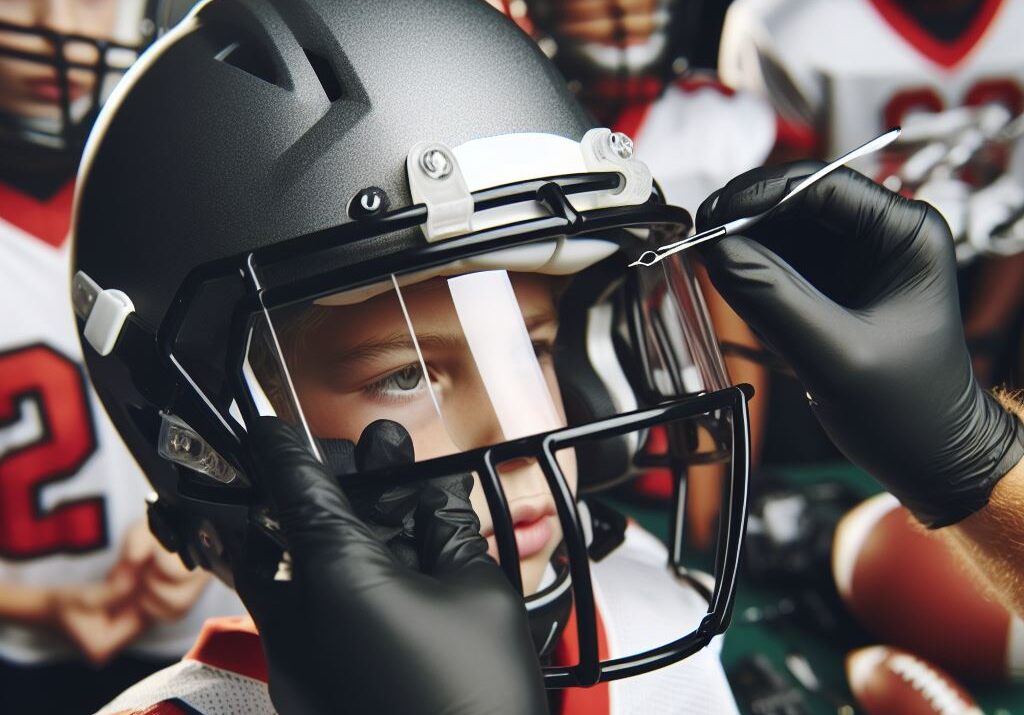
473, 354
461, 362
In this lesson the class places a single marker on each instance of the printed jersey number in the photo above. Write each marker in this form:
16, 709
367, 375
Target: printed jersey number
46, 435
1003, 91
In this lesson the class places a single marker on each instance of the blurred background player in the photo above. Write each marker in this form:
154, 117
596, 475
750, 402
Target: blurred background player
629, 62
951, 72
88, 600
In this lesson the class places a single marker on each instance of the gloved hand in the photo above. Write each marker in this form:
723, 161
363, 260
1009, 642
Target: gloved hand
855, 287
354, 630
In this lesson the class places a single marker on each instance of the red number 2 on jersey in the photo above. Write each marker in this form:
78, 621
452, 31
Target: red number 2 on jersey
1004, 91
46, 435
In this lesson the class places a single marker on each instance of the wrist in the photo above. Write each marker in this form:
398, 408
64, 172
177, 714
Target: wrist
1012, 405
967, 487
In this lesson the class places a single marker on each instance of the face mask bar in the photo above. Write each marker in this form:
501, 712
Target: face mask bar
109, 58
544, 448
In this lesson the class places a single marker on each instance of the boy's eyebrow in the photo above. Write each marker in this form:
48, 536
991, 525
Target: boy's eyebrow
535, 320
401, 341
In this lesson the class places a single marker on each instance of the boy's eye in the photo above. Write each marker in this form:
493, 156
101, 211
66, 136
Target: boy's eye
407, 378
401, 382
543, 348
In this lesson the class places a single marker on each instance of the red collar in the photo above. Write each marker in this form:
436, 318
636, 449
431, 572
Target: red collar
945, 54
577, 701
232, 644
47, 220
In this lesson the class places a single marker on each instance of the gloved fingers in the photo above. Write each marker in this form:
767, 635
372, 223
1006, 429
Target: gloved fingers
752, 192
793, 316
852, 239
383, 444
317, 519
390, 509
863, 223
448, 529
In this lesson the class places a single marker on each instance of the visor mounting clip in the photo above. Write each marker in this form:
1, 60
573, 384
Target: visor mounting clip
436, 181
605, 150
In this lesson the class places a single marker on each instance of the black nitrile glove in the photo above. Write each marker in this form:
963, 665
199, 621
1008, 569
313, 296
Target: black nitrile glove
355, 631
855, 287
388, 511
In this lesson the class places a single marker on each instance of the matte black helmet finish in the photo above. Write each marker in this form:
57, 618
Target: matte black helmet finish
271, 167
263, 120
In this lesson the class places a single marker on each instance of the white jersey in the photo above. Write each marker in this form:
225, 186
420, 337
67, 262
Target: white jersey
698, 135
840, 72
640, 604
850, 69
68, 486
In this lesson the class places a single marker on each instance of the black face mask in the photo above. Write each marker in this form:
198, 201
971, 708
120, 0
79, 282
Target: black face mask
390, 510
101, 59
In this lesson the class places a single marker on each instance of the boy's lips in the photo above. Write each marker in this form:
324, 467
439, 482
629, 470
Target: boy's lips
532, 527
48, 89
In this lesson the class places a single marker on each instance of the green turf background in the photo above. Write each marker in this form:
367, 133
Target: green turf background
775, 641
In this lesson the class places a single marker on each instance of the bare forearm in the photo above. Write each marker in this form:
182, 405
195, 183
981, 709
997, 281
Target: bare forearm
26, 604
992, 540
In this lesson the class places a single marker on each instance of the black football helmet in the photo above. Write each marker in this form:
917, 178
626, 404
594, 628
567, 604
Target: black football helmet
339, 212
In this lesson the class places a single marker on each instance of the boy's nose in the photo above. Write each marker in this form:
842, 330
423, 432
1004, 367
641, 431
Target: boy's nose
522, 478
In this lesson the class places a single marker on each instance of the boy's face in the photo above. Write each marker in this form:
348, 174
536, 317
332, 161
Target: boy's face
356, 364
32, 89
615, 35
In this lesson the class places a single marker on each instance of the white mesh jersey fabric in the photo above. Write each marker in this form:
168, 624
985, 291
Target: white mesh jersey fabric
640, 600
694, 139
849, 67
208, 690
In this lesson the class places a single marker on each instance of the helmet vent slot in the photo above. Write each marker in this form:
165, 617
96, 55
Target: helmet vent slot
325, 73
250, 58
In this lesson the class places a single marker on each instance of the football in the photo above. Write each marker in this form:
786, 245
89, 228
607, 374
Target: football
909, 590
887, 681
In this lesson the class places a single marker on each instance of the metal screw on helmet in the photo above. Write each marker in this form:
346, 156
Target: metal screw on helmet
367, 203
436, 163
621, 145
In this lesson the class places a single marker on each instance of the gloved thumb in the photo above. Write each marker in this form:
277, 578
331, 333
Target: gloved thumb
316, 517
449, 530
